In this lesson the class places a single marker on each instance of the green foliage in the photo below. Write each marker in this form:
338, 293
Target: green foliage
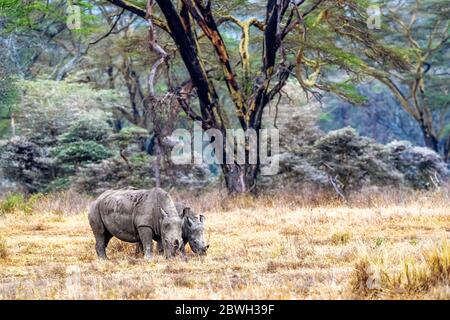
17, 202
80, 152
349, 91
343, 162
48, 108
129, 135
34, 14
14, 202
86, 128
9, 95
140, 159
324, 117
62, 126
58, 184
8, 103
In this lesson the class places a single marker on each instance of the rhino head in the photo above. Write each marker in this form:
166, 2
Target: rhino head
193, 230
171, 233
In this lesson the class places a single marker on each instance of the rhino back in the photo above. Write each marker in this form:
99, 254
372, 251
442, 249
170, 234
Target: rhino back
117, 209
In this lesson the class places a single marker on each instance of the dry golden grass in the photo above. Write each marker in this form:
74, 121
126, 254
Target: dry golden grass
303, 246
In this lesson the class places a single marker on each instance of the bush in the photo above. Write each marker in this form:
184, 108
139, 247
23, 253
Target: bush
344, 161
58, 184
26, 163
129, 136
114, 173
80, 152
87, 128
15, 202
48, 108
422, 168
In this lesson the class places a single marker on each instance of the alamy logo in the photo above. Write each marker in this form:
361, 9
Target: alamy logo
235, 147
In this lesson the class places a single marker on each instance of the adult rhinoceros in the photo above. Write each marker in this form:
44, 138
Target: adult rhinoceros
134, 215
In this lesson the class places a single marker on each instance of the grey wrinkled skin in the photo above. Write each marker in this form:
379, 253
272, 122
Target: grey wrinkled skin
192, 231
134, 215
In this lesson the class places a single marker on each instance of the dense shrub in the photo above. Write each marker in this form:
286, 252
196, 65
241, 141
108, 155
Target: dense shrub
129, 138
345, 161
351, 160
87, 128
115, 173
84, 142
12, 202
26, 163
17, 202
421, 168
48, 108
80, 152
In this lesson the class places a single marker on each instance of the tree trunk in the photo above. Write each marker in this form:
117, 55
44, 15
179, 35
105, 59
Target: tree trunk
240, 178
157, 163
430, 139
447, 150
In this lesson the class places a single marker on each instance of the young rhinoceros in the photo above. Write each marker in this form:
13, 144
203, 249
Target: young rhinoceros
192, 231
134, 215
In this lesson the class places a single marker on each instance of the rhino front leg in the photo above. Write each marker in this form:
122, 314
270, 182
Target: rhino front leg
159, 246
183, 249
139, 248
146, 237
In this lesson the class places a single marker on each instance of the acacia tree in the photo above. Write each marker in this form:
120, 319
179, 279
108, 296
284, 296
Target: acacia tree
424, 33
407, 55
420, 30
193, 20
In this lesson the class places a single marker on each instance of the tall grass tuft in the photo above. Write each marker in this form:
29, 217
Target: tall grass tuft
60, 203
412, 278
13, 203
3, 249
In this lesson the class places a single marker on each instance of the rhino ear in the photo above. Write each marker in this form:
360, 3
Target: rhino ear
202, 218
163, 213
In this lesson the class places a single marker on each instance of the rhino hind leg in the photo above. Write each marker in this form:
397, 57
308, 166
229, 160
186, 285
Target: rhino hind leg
102, 236
101, 242
146, 238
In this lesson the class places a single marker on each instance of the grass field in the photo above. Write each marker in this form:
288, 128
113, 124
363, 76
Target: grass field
384, 246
